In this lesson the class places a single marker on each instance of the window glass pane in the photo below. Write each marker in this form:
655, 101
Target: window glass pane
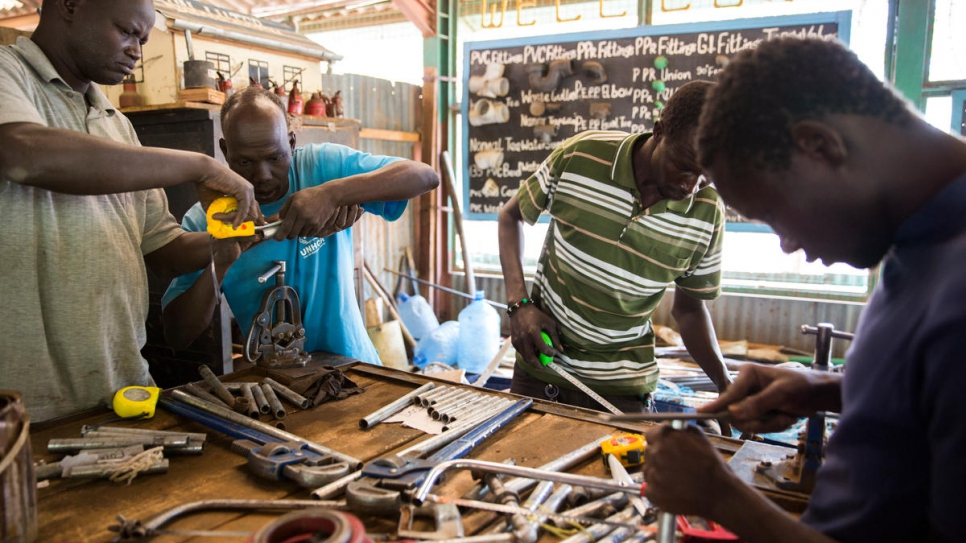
755, 262
939, 112
946, 61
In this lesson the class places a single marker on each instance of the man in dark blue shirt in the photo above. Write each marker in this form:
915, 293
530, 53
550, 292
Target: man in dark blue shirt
801, 135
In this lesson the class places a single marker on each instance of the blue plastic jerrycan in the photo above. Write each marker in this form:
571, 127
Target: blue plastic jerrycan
440, 345
417, 315
479, 334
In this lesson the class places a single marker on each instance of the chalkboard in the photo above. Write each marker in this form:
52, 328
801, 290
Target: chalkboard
523, 97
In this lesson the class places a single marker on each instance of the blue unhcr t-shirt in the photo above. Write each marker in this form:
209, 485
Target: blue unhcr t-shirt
320, 269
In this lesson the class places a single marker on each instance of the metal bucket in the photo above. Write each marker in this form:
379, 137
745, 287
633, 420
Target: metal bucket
198, 74
18, 486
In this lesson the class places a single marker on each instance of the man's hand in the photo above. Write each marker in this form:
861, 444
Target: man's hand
225, 252
313, 212
684, 474
767, 399
220, 181
525, 326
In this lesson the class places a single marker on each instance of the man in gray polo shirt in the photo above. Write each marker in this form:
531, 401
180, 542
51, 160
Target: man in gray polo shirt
82, 210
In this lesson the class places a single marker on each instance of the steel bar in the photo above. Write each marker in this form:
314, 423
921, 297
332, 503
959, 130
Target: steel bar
281, 435
667, 522
615, 501
444, 289
196, 437
436, 409
134, 529
443, 412
277, 410
482, 415
473, 406
199, 392
106, 470
619, 473
472, 438
449, 393
664, 417
189, 447
237, 386
392, 408
217, 387
290, 395
217, 423
595, 532
260, 399
530, 473
74, 444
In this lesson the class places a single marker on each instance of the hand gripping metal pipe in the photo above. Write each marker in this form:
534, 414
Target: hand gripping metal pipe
495, 467
249, 422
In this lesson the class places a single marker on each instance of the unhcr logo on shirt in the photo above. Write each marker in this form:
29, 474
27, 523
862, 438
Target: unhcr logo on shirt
310, 246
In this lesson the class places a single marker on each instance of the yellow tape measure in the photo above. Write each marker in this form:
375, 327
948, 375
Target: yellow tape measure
222, 230
628, 448
135, 402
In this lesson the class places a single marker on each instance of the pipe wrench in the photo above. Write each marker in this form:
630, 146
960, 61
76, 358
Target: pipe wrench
386, 478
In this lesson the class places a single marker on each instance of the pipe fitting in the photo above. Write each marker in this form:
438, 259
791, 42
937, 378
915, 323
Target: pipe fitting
491, 158
545, 132
595, 71
488, 112
555, 73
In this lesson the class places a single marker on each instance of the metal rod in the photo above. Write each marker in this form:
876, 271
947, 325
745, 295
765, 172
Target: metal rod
260, 400
423, 399
664, 417
217, 387
444, 289
199, 392
106, 470
281, 435
466, 443
134, 529
276, 410
290, 395
494, 467
619, 473
224, 426
192, 436
73, 444
667, 522
392, 408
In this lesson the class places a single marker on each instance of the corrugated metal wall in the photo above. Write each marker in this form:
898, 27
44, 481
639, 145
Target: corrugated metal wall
758, 319
381, 104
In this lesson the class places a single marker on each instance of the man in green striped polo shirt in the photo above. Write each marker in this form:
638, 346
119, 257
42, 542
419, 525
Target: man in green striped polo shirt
629, 218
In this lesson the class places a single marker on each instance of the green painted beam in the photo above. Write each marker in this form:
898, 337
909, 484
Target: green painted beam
911, 49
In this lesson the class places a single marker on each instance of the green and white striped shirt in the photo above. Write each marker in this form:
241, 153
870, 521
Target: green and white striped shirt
606, 262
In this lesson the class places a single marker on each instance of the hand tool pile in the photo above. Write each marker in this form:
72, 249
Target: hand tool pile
117, 453
252, 399
401, 485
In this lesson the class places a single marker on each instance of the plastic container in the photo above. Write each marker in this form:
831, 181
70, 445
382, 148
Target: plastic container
417, 315
479, 335
441, 345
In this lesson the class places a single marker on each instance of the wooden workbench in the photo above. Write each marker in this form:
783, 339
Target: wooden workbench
81, 510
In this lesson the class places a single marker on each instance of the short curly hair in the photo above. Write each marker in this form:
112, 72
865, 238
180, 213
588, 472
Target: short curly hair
764, 91
683, 110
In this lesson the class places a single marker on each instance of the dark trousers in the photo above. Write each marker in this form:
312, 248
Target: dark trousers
527, 385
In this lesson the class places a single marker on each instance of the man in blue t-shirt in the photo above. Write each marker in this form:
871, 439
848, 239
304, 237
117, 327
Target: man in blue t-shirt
317, 192
801, 135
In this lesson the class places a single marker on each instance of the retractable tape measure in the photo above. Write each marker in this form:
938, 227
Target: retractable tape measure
222, 230
136, 402
628, 448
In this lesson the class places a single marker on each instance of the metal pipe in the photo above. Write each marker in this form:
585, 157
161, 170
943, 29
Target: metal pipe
217, 387
276, 410
73, 444
134, 529
472, 438
493, 467
106, 470
619, 473
426, 396
224, 426
561, 463
617, 500
275, 45
596, 531
444, 289
446, 403
448, 393
391, 409
421, 448
253, 406
458, 404
667, 522
196, 437
290, 395
260, 400
471, 407
483, 414
281, 435
199, 392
